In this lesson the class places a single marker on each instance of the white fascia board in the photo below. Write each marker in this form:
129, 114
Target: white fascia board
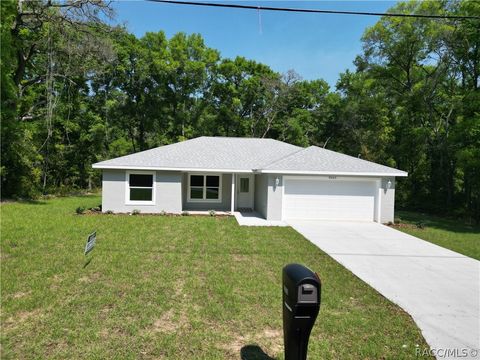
119, 167
336, 173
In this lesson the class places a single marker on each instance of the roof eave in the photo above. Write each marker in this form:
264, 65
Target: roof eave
334, 173
162, 168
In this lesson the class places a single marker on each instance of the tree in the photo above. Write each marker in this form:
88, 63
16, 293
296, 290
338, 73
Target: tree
44, 36
17, 155
235, 94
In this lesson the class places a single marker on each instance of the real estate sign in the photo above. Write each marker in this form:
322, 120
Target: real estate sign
90, 242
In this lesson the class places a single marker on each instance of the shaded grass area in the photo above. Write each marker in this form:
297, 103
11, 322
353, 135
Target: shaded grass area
451, 234
176, 288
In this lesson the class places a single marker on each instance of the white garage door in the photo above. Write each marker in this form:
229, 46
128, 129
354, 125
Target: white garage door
329, 199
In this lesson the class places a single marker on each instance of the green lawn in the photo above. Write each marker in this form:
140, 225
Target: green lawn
174, 287
451, 234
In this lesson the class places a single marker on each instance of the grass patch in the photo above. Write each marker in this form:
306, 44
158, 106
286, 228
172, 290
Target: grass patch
450, 234
174, 287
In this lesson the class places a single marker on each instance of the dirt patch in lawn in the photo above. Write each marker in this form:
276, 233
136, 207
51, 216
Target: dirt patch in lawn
4, 256
54, 347
168, 323
19, 295
235, 346
165, 324
241, 257
20, 318
269, 340
179, 287
90, 278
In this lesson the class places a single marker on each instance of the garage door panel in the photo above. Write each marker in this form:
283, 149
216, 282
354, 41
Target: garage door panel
329, 200
319, 187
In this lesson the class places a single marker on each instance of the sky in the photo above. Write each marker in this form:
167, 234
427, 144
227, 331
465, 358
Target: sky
316, 46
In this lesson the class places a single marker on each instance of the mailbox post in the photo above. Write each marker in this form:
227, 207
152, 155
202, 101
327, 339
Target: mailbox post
301, 304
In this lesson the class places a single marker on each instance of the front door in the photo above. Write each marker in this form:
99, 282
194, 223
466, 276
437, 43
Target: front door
245, 191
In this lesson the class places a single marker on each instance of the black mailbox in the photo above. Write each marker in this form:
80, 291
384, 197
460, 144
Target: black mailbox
301, 304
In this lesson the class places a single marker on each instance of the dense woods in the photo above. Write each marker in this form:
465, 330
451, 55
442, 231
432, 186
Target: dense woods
76, 91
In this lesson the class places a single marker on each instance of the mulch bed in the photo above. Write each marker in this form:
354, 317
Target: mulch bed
405, 226
94, 212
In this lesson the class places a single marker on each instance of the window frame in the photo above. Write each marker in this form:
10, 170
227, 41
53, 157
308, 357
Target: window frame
128, 187
204, 188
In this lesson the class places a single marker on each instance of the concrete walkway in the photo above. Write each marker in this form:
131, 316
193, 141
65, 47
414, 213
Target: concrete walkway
252, 218
439, 288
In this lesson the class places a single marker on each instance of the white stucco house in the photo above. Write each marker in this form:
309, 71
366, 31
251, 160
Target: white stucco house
280, 181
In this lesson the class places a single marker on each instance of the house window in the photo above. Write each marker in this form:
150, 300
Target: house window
140, 188
244, 185
204, 188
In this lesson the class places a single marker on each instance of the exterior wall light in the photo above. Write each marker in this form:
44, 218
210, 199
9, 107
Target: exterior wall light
277, 181
389, 184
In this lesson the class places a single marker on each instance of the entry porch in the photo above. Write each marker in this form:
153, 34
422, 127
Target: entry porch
222, 192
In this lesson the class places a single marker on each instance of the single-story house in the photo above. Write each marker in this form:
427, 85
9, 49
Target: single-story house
280, 181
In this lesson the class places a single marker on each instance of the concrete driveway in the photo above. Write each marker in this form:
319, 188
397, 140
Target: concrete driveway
439, 288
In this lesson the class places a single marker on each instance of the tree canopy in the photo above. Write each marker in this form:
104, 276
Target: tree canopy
76, 91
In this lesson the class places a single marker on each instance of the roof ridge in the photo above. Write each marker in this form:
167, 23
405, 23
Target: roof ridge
240, 137
284, 157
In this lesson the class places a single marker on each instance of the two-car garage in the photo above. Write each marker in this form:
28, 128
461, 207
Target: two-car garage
330, 198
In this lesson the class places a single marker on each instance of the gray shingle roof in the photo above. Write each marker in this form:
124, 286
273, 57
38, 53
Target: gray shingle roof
246, 154
204, 152
318, 160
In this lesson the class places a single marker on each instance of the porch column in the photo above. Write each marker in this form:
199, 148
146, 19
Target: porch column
232, 200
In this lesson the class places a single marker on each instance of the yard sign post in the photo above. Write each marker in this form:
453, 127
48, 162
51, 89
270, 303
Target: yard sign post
90, 242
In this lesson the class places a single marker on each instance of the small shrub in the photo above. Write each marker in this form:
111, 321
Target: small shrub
80, 210
420, 225
163, 213
64, 190
397, 220
390, 223
135, 212
185, 213
109, 212
212, 213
